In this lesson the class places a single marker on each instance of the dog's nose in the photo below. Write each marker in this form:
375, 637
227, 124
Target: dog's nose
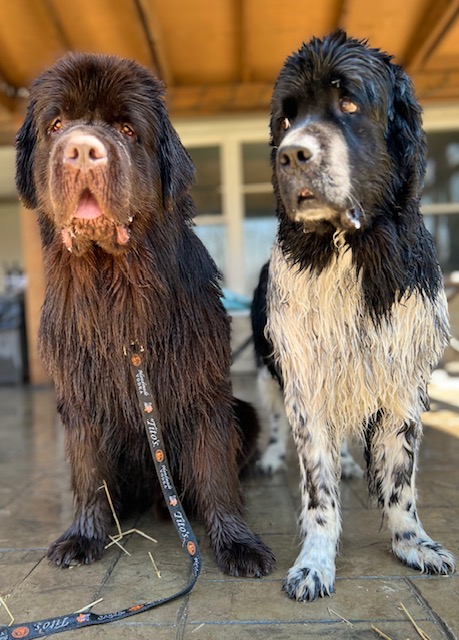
85, 151
295, 156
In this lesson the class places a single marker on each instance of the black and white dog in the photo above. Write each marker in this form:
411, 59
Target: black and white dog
355, 311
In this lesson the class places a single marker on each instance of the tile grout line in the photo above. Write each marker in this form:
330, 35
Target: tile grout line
27, 575
437, 618
110, 570
182, 618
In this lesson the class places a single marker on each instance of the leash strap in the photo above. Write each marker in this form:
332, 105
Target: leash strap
50, 626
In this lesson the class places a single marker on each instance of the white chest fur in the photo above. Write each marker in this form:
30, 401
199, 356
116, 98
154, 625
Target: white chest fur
337, 365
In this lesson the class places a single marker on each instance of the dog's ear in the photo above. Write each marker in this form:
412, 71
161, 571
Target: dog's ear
406, 138
176, 166
25, 151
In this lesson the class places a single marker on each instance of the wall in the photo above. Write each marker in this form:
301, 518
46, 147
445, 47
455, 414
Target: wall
10, 225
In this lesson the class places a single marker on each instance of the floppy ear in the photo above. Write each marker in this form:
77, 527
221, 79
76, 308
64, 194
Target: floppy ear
25, 152
176, 166
406, 138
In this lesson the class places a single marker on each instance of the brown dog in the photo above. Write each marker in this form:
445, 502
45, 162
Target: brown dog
99, 160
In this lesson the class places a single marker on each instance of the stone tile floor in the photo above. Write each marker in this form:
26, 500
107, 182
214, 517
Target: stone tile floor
36, 505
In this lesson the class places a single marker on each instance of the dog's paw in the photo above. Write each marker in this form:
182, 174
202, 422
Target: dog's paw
70, 550
273, 459
423, 554
308, 583
249, 559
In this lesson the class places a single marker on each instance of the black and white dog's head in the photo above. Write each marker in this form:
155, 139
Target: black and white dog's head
346, 134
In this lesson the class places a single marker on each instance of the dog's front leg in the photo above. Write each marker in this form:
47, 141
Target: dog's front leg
272, 400
313, 573
213, 483
85, 539
392, 451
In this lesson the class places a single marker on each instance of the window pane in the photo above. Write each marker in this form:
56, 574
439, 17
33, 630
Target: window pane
445, 230
442, 177
259, 236
260, 205
441, 187
207, 191
256, 162
260, 221
213, 237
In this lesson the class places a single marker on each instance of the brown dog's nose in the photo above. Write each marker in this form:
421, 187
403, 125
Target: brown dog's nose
295, 156
85, 151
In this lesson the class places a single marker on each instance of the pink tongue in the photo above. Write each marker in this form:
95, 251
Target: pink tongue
88, 209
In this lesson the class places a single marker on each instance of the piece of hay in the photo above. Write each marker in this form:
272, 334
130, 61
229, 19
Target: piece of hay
420, 632
116, 541
3, 603
110, 502
348, 622
121, 533
380, 633
88, 606
158, 572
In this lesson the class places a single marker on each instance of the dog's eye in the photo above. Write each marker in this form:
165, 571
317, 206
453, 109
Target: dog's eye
127, 130
347, 106
285, 124
55, 125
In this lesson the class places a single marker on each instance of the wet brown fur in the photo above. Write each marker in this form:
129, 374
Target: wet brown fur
159, 289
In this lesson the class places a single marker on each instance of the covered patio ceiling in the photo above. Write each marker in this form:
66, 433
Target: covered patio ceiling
220, 56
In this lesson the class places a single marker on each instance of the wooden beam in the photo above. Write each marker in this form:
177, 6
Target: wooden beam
242, 34
433, 25
151, 27
340, 16
214, 99
437, 85
199, 100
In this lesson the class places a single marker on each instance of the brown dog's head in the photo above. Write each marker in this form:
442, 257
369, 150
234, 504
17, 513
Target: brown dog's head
97, 153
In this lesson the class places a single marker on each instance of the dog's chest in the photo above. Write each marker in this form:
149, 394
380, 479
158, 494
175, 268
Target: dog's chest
320, 315
335, 361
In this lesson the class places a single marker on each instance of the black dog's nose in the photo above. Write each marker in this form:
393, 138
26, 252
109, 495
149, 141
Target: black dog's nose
85, 151
294, 156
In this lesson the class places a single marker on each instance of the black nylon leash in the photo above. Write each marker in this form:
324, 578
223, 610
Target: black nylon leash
59, 624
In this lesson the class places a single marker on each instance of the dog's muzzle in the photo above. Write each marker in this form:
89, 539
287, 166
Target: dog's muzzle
314, 176
82, 181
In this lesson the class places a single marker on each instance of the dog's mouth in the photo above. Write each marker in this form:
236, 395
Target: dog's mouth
305, 196
88, 207
90, 223
310, 207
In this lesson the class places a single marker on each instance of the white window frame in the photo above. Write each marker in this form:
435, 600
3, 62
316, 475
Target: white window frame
229, 134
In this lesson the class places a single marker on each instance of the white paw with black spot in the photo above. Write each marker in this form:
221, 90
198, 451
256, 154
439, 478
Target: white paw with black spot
306, 583
273, 459
423, 554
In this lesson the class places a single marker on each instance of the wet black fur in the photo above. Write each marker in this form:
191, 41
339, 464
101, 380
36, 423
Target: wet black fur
160, 290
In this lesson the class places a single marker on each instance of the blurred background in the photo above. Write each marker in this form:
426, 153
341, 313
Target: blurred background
219, 60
